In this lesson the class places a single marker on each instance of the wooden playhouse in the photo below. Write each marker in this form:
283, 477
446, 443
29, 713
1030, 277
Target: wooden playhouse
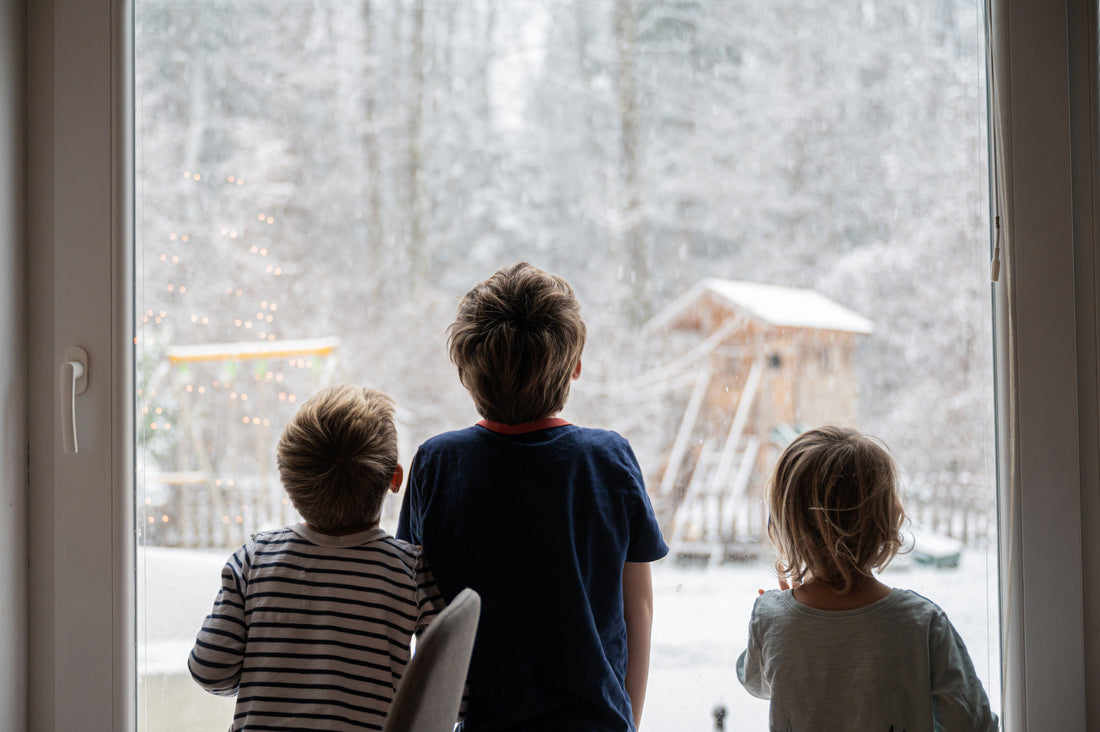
769, 361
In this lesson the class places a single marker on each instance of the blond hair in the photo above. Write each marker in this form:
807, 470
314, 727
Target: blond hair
835, 512
516, 341
337, 457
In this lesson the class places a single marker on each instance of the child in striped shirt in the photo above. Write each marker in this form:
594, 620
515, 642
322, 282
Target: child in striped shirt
313, 623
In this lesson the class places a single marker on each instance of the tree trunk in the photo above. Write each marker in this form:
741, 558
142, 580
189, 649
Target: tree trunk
414, 163
629, 222
375, 249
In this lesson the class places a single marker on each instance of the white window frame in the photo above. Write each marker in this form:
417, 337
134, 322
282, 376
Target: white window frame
80, 654
1045, 82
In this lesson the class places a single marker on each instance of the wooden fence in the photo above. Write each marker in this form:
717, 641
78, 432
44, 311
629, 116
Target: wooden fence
962, 506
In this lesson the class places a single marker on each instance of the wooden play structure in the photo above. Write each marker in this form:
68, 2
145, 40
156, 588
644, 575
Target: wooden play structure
235, 395
768, 361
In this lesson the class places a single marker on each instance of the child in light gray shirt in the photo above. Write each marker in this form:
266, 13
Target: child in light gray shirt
842, 651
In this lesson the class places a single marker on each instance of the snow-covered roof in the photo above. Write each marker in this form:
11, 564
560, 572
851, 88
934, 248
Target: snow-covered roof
789, 307
253, 349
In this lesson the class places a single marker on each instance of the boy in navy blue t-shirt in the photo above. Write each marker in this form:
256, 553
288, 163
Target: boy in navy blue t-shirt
549, 522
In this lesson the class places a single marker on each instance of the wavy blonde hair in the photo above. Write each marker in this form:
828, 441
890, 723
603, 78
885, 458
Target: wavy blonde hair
835, 512
337, 457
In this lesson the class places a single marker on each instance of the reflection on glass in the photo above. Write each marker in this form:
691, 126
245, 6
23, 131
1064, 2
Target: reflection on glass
773, 215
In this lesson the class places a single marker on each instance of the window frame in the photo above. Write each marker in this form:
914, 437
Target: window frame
81, 639
79, 180
1044, 97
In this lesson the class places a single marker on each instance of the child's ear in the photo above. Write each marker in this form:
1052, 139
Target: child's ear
398, 476
577, 371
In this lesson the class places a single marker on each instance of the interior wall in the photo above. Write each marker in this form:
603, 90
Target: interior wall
13, 386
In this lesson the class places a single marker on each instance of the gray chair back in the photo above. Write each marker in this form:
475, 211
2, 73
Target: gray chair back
430, 692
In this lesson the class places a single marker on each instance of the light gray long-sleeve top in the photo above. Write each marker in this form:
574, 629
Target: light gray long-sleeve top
897, 664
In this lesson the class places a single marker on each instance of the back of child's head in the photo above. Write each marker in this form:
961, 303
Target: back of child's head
337, 457
835, 512
516, 341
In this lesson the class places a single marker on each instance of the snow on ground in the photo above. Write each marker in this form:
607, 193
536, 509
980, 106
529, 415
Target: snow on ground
700, 626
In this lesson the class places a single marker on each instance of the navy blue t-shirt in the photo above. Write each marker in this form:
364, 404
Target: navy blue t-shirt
539, 521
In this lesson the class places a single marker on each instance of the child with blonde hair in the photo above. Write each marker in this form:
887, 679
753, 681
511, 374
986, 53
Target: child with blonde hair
835, 648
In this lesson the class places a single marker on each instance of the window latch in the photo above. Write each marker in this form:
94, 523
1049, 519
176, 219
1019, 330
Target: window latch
74, 380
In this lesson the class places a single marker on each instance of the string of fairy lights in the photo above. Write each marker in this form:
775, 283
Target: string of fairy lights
259, 401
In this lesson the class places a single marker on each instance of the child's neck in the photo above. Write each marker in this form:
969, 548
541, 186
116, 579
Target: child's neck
518, 429
820, 596
345, 532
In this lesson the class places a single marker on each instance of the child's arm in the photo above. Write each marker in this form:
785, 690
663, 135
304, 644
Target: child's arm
638, 611
218, 655
750, 670
958, 699
408, 520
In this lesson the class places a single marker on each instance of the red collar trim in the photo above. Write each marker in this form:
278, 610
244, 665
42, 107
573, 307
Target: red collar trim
519, 429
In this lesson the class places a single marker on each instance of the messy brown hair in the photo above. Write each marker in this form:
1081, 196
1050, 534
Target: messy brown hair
835, 512
516, 341
337, 457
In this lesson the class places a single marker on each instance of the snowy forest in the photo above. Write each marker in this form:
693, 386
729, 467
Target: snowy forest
324, 179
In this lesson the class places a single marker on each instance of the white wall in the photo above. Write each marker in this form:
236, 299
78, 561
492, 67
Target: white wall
13, 402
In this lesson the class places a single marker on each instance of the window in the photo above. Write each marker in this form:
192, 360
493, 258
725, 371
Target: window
725, 188
73, 504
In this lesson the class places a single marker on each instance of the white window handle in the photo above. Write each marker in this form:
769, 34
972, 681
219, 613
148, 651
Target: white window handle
74, 380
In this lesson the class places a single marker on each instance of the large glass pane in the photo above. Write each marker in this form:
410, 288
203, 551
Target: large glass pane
774, 215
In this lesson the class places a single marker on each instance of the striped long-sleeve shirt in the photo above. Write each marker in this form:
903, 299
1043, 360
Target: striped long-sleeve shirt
313, 631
